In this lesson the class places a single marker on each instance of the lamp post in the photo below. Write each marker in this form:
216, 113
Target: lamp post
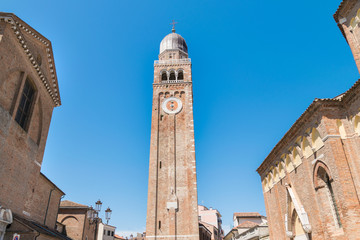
108, 212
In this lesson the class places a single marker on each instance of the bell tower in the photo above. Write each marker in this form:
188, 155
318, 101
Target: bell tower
172, 211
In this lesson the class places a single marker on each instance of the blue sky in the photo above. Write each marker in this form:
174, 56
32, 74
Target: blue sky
257, 65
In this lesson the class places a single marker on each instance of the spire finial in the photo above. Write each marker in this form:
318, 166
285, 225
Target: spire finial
173, 23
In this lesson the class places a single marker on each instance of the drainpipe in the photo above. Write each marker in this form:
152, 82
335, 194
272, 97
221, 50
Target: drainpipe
47, 208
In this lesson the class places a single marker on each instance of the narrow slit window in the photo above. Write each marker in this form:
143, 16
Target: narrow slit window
160, 164
159, 224
24, 108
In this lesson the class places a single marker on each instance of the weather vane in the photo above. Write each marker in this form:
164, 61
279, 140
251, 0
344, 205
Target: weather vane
173, 23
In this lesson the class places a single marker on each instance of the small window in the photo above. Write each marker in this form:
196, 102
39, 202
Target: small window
112, 234
104, 232
164, 76
180, 75
159, 224
108, 233
172, 76
23, 111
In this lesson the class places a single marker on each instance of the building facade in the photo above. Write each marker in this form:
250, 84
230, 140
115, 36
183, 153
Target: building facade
28, 94
311, 180
211, 218
106, 232
172, 191
77, 222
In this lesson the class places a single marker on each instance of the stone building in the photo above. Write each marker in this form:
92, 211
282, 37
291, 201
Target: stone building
204, 232
172, 211
28, 94
211, 219
311, 179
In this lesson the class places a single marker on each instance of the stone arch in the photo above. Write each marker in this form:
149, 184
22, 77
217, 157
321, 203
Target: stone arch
281, 169
276, 175
172, 75
306, 148
341, 128
356, 123
180, 74
265, 184
164, 75
296, 157
317, 142
288, 164
296, 225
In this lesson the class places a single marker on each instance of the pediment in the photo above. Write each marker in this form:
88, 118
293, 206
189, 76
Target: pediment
39, 51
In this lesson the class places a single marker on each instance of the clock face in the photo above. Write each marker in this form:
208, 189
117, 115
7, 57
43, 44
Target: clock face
172, 105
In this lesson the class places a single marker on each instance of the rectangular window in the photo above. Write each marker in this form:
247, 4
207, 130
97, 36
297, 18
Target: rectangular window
23, 111
104, 232
112, 234
108, 232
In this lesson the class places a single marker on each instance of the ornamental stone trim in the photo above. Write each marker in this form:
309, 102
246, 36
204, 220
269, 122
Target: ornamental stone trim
16, 26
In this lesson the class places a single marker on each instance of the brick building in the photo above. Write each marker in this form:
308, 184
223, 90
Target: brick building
76, 221
28, 94
311, 179
172, 210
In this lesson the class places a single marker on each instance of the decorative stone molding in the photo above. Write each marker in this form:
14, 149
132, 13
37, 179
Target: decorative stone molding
50, 85
6, 218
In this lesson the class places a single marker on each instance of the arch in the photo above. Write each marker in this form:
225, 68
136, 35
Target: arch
358, 13
357, 124
320, 164
163, 74
180, 74
172, 75
296, 157
317, 142
323, 186
353, 23
270, 182
265, 184
281, 170
276, 175
341, 128
68, 218
306, 148
296, 225
288, 164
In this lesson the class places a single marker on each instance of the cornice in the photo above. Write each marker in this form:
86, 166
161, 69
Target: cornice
17, 25
165, 85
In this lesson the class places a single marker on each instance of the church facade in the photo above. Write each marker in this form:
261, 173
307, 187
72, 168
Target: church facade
29, 92
311, 179
172, 211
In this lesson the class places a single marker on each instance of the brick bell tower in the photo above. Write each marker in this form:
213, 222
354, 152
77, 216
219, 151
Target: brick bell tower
172, 192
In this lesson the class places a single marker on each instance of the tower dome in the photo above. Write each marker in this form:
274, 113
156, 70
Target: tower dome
173, 41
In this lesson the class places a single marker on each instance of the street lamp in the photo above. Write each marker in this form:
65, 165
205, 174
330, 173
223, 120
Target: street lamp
108, 215
98, 206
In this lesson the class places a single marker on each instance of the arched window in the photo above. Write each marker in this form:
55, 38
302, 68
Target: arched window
341, 128
172, 75
317, 142
163, 76
323, 185
296, 225
180, 75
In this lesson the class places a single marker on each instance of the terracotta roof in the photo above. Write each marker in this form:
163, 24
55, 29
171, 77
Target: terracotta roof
67, 203
299, 123
118, 237
247, 224
247, 214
